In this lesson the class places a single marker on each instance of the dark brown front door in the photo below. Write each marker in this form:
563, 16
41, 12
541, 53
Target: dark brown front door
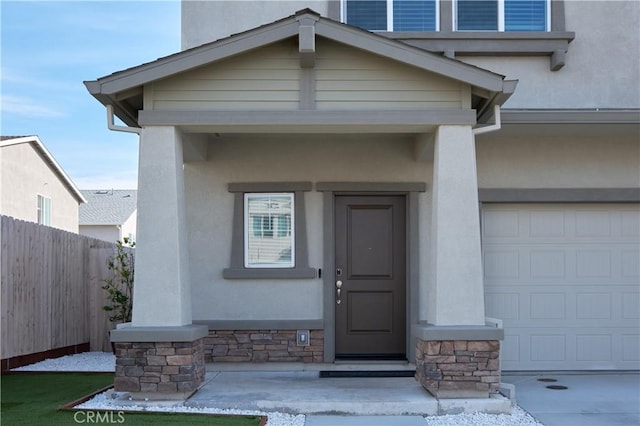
370, 271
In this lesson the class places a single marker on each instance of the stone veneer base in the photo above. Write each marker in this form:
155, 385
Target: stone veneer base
159, 370
262, 346
458, 368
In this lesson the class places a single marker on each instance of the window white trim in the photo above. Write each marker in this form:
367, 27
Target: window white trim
44, 208
343, 15
501, 17
274, 228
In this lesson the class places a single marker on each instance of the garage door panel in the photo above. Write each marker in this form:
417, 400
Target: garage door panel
631, 264
566, 284
631, 347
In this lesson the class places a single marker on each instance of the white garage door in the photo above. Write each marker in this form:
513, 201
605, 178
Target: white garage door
564, 278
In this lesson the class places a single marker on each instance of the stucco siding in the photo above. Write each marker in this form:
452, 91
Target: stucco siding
205, 21
602, 68
277, 158
560, 156
109, 233
350, 79
263, 79
25, 175
607, 159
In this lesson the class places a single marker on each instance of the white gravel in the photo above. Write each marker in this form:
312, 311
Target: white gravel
105, 362
86, 361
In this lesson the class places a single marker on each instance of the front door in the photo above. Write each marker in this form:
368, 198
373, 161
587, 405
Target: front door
370, 284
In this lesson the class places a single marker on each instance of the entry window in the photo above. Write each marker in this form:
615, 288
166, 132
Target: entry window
269, 234
502, 15
392, 15
44, 210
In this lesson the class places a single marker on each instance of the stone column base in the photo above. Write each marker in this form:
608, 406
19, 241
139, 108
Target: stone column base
159, 363
458, 368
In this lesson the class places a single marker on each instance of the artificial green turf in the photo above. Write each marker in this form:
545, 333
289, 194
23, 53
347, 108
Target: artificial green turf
34, 399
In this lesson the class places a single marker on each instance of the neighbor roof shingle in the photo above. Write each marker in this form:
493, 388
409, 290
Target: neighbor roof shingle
108, 207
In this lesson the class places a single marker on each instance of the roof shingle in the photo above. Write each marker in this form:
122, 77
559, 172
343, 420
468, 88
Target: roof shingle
108, 207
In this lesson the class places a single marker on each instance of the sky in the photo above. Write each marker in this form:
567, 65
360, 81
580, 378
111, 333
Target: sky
48, 48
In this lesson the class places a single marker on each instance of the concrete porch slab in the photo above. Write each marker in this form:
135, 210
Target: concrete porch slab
303, 392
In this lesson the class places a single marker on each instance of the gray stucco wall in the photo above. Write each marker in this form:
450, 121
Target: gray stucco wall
24, 175
602, 67
560, 156
109, 233
515, 158
277, 158
205, 21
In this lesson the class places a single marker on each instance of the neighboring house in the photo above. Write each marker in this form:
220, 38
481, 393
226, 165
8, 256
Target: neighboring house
403, 194
109, 215
33, 186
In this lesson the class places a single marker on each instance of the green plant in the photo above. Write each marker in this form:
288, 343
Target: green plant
119, 286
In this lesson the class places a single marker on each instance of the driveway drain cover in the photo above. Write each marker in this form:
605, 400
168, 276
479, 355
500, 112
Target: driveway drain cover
547, 380
557, 387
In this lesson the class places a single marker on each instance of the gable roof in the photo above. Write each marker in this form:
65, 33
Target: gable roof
37, 144
108, 207
123, 89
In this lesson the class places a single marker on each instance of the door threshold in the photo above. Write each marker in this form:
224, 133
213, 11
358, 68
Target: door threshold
372, 365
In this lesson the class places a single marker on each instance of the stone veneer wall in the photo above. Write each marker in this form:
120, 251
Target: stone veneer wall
262, 346
162, 367
458, 368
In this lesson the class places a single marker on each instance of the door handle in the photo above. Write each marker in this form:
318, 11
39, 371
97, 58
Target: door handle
338, 291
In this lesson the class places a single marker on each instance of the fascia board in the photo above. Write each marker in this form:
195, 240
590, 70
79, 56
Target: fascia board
193, 58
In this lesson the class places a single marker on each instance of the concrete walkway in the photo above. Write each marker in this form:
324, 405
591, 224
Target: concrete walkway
590, 399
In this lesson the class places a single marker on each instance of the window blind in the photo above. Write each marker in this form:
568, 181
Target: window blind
477, 15
368, 14
414, 15
525, 15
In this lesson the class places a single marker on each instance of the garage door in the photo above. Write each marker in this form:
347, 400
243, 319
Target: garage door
565, 281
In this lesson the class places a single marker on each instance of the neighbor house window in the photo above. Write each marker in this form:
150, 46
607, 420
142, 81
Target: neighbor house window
392, 15
502, 15
44, 210
268, 231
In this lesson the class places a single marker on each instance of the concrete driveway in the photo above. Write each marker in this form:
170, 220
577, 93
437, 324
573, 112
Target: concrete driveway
595, 399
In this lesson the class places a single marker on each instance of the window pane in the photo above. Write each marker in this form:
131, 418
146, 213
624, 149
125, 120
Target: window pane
44, 210
478, 15
268, 231
525, 15
414, 15
368, 14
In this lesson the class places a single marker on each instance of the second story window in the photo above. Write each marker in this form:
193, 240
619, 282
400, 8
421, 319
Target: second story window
44, 210
502, 15
468, 15
392, 15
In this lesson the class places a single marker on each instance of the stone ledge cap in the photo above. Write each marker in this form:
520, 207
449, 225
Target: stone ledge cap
183, 333
425, 331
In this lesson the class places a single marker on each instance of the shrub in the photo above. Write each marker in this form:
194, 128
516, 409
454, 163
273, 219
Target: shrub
119, 287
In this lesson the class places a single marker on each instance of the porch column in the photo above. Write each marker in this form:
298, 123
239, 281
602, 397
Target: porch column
162, 291
456, 295
457, 355
161, 353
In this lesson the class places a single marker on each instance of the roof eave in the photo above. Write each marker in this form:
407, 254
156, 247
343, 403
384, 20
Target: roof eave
106, 89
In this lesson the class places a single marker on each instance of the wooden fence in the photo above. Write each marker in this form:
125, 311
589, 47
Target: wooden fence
51, 290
